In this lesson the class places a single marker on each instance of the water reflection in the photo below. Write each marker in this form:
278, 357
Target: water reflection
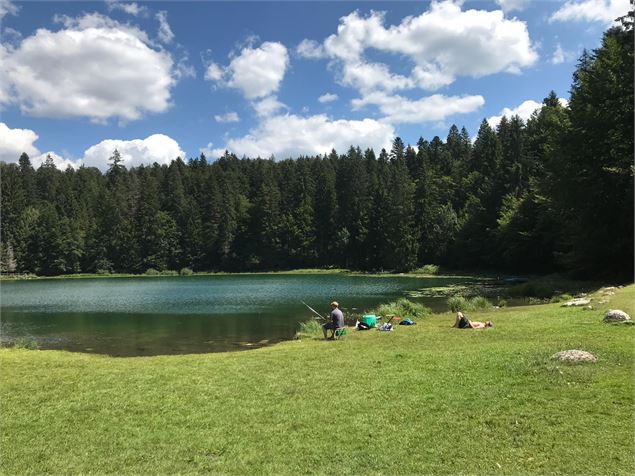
153, 316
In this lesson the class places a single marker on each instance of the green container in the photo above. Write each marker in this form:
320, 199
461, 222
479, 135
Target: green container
369, 319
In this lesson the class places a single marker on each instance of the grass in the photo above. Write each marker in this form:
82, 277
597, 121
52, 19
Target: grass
425, 399
476, 303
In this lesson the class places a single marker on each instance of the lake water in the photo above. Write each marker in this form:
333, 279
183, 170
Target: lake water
178, 315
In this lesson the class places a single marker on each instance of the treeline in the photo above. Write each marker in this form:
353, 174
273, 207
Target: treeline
555, 193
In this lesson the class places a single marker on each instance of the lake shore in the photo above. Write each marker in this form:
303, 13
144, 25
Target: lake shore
425, 399
26, 277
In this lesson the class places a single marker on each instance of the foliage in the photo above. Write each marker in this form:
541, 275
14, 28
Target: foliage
310, 329
476, 303
26, 343
186, 272
539, 197
430, 269
403, 308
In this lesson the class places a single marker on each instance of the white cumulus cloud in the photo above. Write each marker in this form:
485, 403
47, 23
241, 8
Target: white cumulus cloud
398, 109
130, 8
287, 136
268, 106
524, 111
310, 49
155, 148
442, 43
256, 72
328, 97
604, 11
229, 117
94, 67
512, 5
15, 141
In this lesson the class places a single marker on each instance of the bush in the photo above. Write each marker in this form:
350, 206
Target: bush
477, 303
26, 343
457, 303
103, 266
169, 272
152, 272
403, 308
312, 328
428, 269
186, 272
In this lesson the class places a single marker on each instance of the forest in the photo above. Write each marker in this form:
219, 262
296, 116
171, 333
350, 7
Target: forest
552, 194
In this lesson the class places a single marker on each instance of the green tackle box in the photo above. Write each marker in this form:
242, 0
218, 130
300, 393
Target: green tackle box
369, 319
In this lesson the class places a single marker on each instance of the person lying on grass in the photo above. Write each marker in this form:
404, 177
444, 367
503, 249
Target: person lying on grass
463, 322
337, 320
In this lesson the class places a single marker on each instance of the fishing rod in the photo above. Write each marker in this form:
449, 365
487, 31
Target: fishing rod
313, 310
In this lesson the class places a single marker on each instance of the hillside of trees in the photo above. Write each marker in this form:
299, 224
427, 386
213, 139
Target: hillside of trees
552, 194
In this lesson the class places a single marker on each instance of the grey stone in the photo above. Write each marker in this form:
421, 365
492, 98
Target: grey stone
615, 315
577, 302
574, 355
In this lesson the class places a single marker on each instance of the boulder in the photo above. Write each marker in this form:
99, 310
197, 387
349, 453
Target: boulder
577, 302
615, 315
574, 355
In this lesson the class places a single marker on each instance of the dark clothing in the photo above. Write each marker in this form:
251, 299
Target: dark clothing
464, 323
337, 318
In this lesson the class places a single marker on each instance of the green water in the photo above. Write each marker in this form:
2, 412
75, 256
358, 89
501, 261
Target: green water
178, 315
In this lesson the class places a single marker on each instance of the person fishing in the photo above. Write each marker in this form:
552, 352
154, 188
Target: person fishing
337, 320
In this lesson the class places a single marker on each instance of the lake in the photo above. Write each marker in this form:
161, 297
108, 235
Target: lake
179, 315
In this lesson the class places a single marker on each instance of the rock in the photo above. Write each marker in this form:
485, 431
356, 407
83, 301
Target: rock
574, 356
577, 302
587, 308
615, 315
607, 289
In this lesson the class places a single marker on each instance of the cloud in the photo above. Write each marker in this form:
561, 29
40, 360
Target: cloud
15, 141
268, 106
8, 8
287, 136
256, 72
328, 97
165, 32
604, 11
512, 5
229, 117
441, 44
95, 67
524, 111
130, 8
561, 56
437, 107
155, 148
310, 49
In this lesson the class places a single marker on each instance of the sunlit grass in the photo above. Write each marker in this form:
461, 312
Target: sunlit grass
425, 399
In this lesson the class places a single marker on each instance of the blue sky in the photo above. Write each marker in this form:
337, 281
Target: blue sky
161, 79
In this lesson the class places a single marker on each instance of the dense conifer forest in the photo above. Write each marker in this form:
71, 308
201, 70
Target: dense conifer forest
552, 194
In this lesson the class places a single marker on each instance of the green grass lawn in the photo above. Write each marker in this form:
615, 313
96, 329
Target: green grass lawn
425, 399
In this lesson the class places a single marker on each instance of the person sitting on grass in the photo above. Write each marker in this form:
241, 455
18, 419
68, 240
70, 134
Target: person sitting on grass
462, 322
337, 320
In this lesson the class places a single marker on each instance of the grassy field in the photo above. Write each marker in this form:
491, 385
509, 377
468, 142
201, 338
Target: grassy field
425, 399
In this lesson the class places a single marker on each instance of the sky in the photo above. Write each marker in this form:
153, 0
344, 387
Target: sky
159, 80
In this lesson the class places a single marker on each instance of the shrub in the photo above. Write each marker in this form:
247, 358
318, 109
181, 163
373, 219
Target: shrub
186, 272
428, 269
103, 266
457, 303
403, 308
477, 303
26, 343
312, 328
169, 272
501, 303
152, 272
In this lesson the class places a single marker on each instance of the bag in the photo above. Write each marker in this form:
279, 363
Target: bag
407, 322
362, 326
